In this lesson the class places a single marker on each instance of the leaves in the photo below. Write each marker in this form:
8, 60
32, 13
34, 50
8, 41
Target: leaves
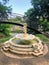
4, 12
39, 14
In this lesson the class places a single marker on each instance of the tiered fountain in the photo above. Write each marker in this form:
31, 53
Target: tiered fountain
24, 45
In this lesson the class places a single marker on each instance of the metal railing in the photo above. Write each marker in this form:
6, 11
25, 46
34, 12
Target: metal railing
18, 24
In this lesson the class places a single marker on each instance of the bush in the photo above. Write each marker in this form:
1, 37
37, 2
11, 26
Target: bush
5, 29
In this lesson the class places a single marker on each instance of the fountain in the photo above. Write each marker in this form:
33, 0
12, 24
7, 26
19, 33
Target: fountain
24, 45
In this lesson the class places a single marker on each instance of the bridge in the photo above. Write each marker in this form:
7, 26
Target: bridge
14, 23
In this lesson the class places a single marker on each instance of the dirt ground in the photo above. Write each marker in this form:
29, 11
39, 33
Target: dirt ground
44, 60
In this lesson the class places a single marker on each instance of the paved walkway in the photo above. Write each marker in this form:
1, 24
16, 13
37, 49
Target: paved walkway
44, 60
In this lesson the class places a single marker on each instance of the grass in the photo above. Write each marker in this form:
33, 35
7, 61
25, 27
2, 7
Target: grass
2, 35
43, 38
4, 38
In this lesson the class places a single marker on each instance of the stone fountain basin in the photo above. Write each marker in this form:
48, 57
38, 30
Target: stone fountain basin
26, 50
11, 43
20, 47
20, 37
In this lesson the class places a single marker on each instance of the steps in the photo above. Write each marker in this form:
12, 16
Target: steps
20, 49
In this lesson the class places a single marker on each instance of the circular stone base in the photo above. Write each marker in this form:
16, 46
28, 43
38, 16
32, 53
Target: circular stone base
13, 55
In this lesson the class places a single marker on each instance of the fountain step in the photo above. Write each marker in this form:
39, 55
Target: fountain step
21, 49
26, 53
21, 46
5, 49
20, 52
14, 55
23, 53
17, 52
18, 49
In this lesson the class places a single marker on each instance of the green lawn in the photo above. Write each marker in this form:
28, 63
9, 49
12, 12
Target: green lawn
4, 38
43, 38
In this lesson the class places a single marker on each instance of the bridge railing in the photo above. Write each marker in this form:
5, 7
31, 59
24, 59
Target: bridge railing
18, 24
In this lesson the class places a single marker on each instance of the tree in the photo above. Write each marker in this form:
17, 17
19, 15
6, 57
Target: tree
4, 11
43, 12
42, 6
31, 19
40, 13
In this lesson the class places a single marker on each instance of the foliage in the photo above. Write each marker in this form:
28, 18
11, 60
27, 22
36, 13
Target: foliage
31, 18
39, 11
45, 24
4, 11
42, 7
5, 1
5, 29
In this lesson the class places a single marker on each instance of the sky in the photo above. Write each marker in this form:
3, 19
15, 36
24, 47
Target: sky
19, 6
